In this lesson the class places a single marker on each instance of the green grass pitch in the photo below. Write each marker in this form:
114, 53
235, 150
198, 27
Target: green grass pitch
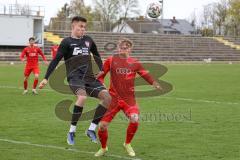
198, 120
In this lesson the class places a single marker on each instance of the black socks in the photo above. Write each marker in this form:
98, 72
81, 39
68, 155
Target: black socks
77, 112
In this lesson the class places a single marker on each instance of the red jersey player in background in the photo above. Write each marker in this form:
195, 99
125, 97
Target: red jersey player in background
54, 50
123, 70
31, 52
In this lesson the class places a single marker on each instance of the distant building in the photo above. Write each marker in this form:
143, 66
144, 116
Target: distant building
163, 26
19, 22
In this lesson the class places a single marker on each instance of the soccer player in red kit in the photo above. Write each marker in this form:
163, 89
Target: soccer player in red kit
123, 70
31, 52
54, 50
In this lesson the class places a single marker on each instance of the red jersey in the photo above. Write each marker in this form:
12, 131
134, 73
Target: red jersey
54, 50
32, 56
122, 75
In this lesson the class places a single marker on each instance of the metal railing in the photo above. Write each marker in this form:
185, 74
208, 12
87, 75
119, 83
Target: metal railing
22, 10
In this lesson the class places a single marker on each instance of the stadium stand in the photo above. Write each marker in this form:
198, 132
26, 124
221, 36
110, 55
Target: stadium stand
180, 45
148, 47
162, 47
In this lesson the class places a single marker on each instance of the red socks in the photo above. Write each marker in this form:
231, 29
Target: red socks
131, 130
25, 84
103, 136
35, 83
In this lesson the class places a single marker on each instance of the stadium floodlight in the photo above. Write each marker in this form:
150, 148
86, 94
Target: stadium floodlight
161, 2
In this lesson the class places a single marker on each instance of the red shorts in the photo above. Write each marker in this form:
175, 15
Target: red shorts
117, 105
28, 70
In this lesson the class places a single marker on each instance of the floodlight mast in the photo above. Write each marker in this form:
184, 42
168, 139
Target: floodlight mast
161, 2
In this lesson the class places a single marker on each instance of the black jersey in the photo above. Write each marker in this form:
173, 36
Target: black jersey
77, 57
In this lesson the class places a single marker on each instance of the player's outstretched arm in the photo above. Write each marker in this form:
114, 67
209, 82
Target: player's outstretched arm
50, 69
53, 64
145, 75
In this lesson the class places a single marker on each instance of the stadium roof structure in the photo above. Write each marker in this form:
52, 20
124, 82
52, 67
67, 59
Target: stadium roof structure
144, 26
180, 25
164, 26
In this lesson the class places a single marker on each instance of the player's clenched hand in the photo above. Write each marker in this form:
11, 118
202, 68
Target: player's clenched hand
43, 83
157, 85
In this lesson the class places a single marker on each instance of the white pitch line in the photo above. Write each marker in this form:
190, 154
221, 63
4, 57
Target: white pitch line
64, 149
200, 100
14, 87
166, 97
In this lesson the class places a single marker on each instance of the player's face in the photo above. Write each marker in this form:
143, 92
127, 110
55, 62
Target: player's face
79, 28
31, 42
124, 48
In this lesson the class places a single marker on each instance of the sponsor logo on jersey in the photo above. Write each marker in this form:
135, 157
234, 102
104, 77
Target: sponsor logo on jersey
123, 71
32, 54
87, 43
80, 51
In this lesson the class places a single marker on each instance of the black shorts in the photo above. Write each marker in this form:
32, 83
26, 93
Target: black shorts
92, 87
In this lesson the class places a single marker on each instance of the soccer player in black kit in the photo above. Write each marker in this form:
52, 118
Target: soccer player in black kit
76, 53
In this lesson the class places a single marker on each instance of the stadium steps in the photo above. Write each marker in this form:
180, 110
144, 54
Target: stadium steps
15, 57
152, 57
149, 47
235, 40
166, 47
51, 37
227, 42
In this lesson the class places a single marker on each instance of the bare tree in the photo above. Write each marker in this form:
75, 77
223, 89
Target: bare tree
61, 22
234, 14
193, 19
63, 13
214, 16
108, 11
223, 17
221, 14
78, 7
128, 8
206, 15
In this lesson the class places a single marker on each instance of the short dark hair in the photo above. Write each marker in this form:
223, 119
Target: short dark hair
31, 38
79, 18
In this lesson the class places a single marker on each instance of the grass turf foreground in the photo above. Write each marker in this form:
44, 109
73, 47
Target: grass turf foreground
198, 120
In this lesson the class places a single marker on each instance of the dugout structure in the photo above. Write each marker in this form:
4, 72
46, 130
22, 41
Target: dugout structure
19, 22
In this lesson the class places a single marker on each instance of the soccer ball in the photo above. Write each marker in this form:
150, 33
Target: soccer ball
154, 10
